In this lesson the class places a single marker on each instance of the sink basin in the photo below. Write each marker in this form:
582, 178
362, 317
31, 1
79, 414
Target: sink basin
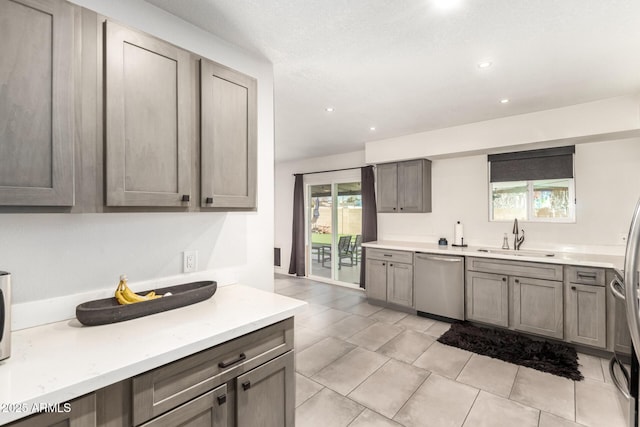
518, 253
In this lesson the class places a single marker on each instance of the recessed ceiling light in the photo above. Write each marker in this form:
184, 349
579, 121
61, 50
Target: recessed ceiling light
372, 128
446, 4
485, 64
504, 101
329, 109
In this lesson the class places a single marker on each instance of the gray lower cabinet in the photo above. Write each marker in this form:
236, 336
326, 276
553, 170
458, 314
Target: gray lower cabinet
404, 186
265, 396
487, 298
208, 410
229, 137
537, 306
389, 276
400, 284
148, 109
376, 277
36, 103
586, 306
80, 412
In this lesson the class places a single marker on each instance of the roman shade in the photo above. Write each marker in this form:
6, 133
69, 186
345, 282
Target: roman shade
548, 163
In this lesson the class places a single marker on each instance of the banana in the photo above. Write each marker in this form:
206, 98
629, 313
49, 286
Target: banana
125, 296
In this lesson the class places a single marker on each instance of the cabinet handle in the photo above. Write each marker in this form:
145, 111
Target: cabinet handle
185, 198
384, 263
390, 265
246, 385
573, 288
222, 399
394, 209
517, 281
586, 275
388, 255
240, 358
504, 279
209, 200
401, 209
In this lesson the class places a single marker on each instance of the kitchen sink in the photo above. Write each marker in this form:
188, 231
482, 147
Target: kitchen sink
518, 253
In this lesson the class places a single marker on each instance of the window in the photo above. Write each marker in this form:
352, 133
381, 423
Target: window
535, 185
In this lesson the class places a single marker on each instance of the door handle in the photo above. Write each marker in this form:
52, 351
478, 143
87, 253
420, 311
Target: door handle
2, 315
616, 289
240, 358
616, 381
630, 283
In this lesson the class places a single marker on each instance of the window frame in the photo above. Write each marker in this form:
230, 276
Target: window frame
529, 203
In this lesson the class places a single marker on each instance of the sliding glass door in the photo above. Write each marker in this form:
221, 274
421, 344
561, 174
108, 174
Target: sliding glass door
335, 231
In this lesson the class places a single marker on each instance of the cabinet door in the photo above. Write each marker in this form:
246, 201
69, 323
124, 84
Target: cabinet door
537, 306
208, 410
410, 186
36, 103
586, 314
266, 395
487, 298
80, 412
148, 112
400, 284
387, 183
229, 137
376, 279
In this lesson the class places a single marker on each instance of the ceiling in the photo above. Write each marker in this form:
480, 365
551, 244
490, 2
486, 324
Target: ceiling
410, 66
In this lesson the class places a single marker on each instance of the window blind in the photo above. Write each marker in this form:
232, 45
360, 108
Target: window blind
548, 163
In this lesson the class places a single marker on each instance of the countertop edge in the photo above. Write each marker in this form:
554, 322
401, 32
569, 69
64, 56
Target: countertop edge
563, 258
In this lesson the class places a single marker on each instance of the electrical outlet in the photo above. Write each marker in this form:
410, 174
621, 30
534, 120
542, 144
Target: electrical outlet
189, 261
622, 239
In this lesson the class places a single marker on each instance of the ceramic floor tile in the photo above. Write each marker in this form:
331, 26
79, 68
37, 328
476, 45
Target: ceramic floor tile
375, 336
437, 329
304, 338
439, 402
363, 309
314, 358
416, 323
407, 346
590, 367
490, 410
347, 301
291, 291
305, 388
492, 375
550, 420
598, 404
310, 310
368, 418
322, 320
387, 315
322, 298
443, 359
348, 326
399, 381
327, 409
544, 391
346, 373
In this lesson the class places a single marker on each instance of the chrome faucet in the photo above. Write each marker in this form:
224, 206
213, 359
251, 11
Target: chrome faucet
517, 241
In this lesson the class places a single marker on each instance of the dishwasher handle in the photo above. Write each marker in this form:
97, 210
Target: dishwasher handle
437, 258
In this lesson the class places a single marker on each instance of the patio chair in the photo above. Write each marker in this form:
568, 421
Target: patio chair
344, 250
356, 248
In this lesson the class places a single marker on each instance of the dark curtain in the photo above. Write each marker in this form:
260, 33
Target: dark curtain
296, 264
369, 214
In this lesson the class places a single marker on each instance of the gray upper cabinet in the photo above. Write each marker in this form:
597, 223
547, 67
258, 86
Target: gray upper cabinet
36, 103
148, 120
229, 137
387, 175
404, 186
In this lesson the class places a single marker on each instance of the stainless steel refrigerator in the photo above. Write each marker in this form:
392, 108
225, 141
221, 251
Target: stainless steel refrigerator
625, 288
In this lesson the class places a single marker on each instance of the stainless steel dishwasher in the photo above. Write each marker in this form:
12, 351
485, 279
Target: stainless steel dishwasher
439, 285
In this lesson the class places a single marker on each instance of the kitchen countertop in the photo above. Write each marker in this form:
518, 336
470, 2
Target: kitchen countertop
60, 361
569, 258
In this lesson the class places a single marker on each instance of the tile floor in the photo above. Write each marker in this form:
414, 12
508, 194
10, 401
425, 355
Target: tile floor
361, 365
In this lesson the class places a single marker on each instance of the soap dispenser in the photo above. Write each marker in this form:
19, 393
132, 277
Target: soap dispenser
505, 242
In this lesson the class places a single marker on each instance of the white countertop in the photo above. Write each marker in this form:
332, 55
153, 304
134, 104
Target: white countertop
569, 258
60, 361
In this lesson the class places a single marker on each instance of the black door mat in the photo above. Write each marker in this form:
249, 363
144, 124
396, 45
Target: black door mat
554, 358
